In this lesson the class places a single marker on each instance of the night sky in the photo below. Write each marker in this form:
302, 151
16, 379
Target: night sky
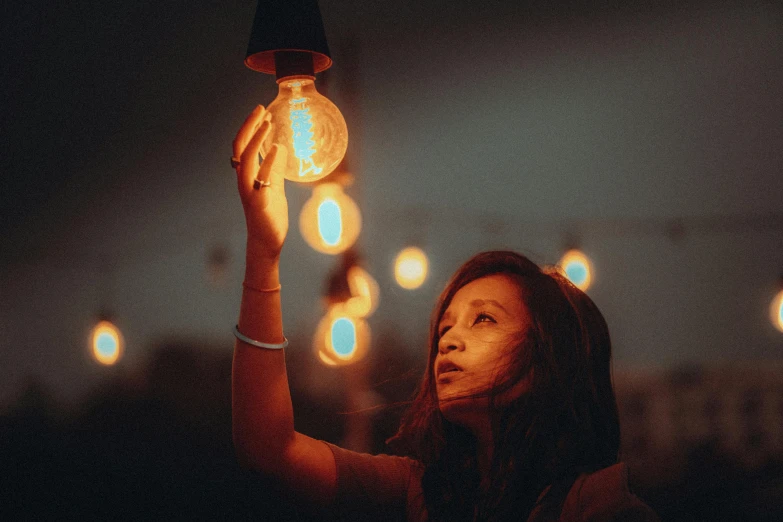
651, 137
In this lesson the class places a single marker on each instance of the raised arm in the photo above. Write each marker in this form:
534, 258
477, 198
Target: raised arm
263, 420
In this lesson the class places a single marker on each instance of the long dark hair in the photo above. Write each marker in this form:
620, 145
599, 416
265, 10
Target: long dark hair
566, 423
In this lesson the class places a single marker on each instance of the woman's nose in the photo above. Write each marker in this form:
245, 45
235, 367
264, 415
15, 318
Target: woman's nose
450, 341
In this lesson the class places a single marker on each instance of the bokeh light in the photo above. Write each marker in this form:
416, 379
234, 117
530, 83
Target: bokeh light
330, 221
364, 291
340, 338
343, 337
106, 343
776, 311
578, 269
410, 268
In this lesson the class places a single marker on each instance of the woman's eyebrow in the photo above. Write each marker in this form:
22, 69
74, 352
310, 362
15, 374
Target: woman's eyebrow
482, 302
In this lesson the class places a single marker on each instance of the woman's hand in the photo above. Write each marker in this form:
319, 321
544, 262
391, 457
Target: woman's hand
266, 208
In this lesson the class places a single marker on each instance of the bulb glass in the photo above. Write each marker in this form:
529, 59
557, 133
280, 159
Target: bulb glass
310, 126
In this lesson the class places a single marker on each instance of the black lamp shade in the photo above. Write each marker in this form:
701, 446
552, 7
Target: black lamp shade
287, 25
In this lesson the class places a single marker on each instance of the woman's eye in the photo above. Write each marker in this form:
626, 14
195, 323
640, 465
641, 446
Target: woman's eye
484, 316
479, 319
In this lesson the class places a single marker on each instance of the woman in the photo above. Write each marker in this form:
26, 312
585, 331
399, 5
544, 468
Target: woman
515, 418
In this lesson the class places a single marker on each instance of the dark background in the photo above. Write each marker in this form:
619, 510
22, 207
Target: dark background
649, 135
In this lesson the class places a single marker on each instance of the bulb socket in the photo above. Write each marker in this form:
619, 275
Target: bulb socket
293, 63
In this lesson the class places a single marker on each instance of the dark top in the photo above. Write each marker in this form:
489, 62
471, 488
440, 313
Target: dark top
384, 487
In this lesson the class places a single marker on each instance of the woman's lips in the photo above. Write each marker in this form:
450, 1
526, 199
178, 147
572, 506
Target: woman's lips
448, 376
447, 370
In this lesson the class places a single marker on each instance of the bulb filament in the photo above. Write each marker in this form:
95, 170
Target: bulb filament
301, 125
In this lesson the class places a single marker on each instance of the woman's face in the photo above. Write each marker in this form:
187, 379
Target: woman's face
483, 323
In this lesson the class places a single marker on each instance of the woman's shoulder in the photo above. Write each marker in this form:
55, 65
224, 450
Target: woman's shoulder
377, 487
604, 496
379, 464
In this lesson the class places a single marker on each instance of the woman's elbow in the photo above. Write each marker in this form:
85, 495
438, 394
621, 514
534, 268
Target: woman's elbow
252, 453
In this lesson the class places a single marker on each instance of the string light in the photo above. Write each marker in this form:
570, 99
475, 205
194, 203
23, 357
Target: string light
340, 338
578, 269
410, 268
330, 221
106, 343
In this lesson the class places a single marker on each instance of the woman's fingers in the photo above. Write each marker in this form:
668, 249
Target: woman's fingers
248, 160
272, 171
273, 168
247, 129
276, 170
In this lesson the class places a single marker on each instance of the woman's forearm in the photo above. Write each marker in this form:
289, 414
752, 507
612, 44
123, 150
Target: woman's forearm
263, 422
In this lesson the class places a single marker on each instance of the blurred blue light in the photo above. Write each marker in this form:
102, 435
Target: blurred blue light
576, 273
343, 337
106, 344
330, 222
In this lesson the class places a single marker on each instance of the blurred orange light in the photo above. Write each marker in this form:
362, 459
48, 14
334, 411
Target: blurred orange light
107, 343
330, 221
326, 359
776, 311
365, 292
410, 268
578, 269
341, 338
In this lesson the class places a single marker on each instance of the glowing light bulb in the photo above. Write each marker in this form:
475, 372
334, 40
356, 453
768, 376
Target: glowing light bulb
410, 268
341, 338
776, 311
330, 221
577, 268
106, 342
310, 126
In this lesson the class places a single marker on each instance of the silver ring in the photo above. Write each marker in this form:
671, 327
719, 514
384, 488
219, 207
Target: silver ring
234, 162
259, 184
